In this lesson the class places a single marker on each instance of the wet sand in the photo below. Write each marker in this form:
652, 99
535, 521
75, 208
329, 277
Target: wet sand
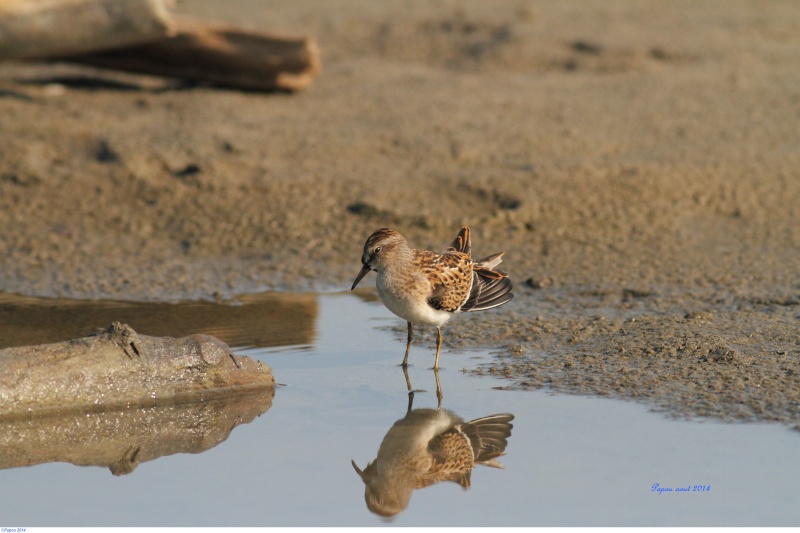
638, 162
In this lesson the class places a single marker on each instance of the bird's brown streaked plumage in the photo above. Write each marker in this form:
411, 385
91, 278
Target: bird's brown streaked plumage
461, 243
424, 287
430, 446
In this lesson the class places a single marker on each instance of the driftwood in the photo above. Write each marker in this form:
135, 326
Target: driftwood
44, 28
141, 36
122, 439
222, 55
120, 368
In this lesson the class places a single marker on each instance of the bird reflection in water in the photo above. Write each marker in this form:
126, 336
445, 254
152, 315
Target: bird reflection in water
428, 446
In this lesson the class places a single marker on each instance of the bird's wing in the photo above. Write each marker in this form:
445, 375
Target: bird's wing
462, 243
453, 458
451, 277
490, 288
488, 437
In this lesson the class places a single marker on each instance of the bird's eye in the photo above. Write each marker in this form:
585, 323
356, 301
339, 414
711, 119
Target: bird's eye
377, 250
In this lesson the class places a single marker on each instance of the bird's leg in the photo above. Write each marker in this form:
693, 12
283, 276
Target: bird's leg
439, 394
408, 380
408, 346
438, 347
410, 390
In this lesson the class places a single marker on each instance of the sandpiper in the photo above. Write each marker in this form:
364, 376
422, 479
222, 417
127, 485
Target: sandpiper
424, 287
429, 446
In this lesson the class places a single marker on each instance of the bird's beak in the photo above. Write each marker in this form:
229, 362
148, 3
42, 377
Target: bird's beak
358, 470
363, 272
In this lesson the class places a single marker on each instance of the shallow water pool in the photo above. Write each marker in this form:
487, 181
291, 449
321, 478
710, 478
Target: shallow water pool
570, 460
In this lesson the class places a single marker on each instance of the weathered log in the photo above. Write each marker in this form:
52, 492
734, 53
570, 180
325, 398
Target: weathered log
122, 439
46, 28
120, 368
221, 55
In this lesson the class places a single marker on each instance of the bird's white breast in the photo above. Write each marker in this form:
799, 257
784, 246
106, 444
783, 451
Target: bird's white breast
410, 300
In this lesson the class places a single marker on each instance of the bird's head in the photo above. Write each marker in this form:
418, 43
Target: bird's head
381, 245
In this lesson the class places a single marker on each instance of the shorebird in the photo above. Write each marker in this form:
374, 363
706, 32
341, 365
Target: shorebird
429, 446
424, 287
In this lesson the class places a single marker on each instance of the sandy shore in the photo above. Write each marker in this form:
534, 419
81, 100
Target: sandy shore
638, 162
